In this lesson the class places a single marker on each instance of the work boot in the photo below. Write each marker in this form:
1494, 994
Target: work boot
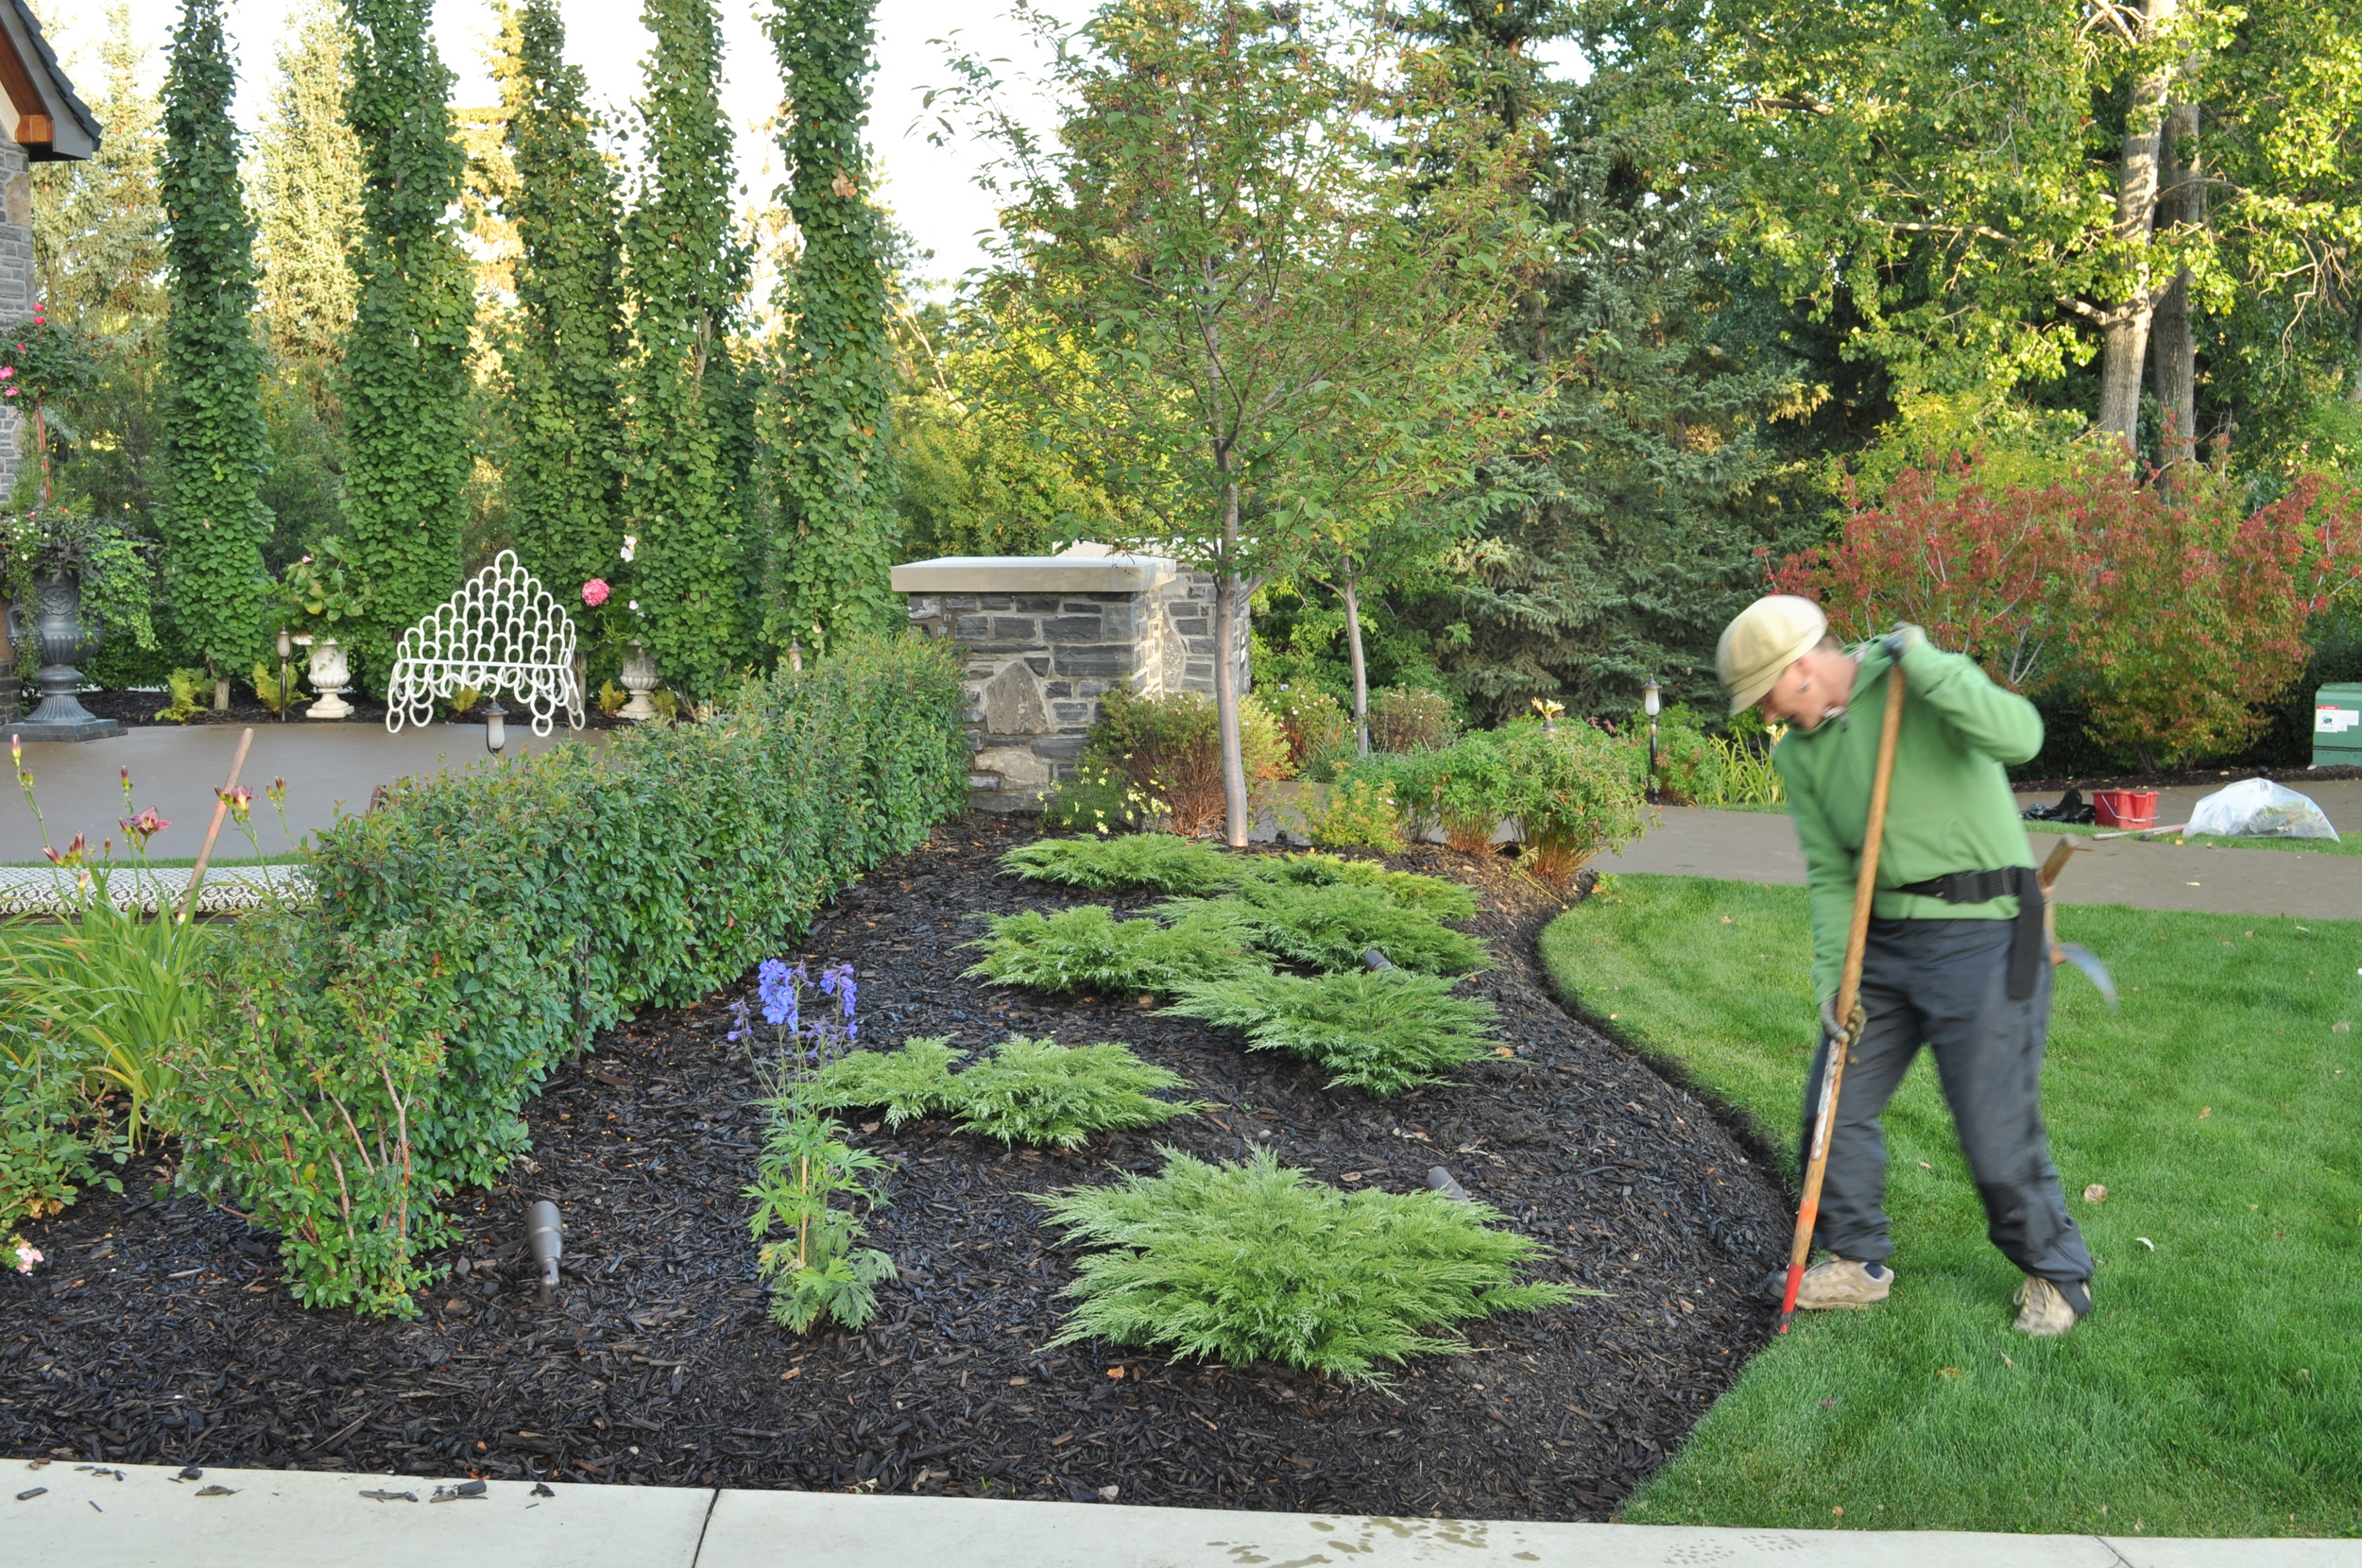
1837, 1283
2047, 1309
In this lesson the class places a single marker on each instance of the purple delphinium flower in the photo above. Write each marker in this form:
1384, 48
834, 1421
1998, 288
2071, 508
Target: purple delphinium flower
776, 983
837, 981
739, 1018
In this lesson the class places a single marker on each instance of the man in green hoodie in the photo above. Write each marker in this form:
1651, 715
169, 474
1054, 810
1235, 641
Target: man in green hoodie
1957, 958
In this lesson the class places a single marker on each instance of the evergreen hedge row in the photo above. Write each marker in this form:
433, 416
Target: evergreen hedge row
538, 902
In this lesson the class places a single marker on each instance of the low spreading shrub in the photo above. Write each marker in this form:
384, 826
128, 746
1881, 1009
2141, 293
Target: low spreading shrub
1099, 799
1356, 814
1026, 1091
1255, 1262
1330, 928
1578, 793
1087, 949
1405, 719
1430, 894
536, 902
1157, 861
1039, 1092
1383, 1031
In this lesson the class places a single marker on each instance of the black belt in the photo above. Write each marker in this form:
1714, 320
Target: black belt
1983, 887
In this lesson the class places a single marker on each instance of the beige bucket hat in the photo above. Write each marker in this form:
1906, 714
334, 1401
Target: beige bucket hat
1763, 639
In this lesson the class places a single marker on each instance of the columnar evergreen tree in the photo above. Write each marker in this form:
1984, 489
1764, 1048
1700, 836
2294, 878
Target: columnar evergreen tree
406, 380
837, 528
685, 271
311, 194
565, 490
212, 523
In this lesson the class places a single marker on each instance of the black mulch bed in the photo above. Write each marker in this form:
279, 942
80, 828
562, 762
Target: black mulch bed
163, 1334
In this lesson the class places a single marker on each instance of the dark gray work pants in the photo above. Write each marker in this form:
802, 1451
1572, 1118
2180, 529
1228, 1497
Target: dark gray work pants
1944, 984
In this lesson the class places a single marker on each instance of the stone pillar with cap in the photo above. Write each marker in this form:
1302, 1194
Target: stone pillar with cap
1043, 637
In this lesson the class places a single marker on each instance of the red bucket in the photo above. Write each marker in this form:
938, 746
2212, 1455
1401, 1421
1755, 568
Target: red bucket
2126, 808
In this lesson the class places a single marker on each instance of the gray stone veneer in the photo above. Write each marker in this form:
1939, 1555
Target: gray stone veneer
18, 286
1043, 639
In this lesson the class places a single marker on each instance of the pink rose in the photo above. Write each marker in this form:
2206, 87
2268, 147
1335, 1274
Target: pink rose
594, 592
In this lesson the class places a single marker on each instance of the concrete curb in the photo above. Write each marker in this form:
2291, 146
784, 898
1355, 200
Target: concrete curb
149, 1516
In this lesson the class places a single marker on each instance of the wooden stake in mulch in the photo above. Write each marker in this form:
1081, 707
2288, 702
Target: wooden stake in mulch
1848, 994
221, 809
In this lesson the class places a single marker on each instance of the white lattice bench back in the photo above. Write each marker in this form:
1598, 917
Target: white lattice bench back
501, 632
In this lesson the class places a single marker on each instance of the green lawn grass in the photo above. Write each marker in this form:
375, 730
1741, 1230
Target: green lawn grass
2217, 1389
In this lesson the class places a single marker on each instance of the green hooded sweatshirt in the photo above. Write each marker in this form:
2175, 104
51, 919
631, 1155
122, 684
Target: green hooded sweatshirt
1949, 807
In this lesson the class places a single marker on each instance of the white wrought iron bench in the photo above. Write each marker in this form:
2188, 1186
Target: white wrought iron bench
503, 631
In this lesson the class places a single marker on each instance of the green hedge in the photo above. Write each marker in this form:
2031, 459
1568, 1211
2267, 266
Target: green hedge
550, 897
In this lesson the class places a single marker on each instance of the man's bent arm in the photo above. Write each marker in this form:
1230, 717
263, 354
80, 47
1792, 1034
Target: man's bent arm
2000, 724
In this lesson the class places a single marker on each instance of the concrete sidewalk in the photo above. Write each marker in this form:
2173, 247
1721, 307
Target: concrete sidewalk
145, 1516
328, 768
1760, 846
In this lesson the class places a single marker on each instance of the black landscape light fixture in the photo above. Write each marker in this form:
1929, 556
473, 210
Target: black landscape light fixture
1651, 703
287, 652
495, 726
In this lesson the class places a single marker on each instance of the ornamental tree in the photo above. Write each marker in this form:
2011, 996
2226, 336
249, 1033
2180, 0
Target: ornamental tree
685, 268
212, 523
406, 371
564, 486
837, 532
1264, 272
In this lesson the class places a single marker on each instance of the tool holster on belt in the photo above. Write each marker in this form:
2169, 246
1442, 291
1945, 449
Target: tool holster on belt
2027, 947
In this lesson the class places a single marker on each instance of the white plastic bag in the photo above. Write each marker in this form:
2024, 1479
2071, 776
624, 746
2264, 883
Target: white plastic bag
2259, 809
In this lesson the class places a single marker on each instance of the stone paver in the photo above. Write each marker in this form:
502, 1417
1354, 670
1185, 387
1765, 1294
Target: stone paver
84, 1517
327, 767
1760, 846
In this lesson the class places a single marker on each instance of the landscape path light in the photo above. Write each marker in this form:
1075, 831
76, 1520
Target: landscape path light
495, 726
287, 652
1651, 703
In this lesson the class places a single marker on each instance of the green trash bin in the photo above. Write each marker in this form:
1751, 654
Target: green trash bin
2337, 727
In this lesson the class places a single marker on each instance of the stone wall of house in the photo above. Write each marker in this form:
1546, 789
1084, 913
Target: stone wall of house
18, 287
1043, 640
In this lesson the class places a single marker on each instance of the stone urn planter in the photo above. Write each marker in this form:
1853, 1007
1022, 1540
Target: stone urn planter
329, 674
65, 640
640, 677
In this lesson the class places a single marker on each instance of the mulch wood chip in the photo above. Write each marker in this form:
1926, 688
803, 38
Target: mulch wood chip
163, 1333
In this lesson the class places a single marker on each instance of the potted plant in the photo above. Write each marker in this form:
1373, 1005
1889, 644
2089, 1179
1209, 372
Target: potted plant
321, 596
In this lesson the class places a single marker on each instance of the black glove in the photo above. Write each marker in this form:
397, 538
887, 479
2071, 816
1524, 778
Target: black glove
1900, 641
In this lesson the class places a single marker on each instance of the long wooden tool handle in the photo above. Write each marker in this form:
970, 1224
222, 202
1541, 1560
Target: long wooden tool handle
1848, 990
221, 809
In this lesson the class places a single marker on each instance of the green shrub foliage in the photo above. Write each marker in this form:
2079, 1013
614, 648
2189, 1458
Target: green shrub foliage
1356, 814
551, 896
814, 1272
213, 524
838, 527
1384, 1032
565, 487
1157, 861
408, 450
1027, 1091
685, 268
1255, 1262
909, 1084
1331, 928
1428, 895
1039, 1092
1088, 949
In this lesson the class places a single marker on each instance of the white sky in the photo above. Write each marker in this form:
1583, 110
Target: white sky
929, 189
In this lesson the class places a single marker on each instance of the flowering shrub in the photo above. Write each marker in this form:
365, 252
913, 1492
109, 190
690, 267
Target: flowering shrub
1405, 719
2173, 610
594, 592
1356, 814
1170, 748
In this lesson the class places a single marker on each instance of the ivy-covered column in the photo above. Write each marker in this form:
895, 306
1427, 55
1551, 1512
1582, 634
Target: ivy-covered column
564, 483
408, 452
836, 526
685, 271
212, 523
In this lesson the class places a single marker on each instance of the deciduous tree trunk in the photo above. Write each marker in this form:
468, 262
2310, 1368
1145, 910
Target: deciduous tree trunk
2173, 341
2124, 345
1347, 591
1226, 672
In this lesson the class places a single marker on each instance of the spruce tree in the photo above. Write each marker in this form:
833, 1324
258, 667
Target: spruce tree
405, 374
564, 486
212, 523
685, 271
837, 528
311, 195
